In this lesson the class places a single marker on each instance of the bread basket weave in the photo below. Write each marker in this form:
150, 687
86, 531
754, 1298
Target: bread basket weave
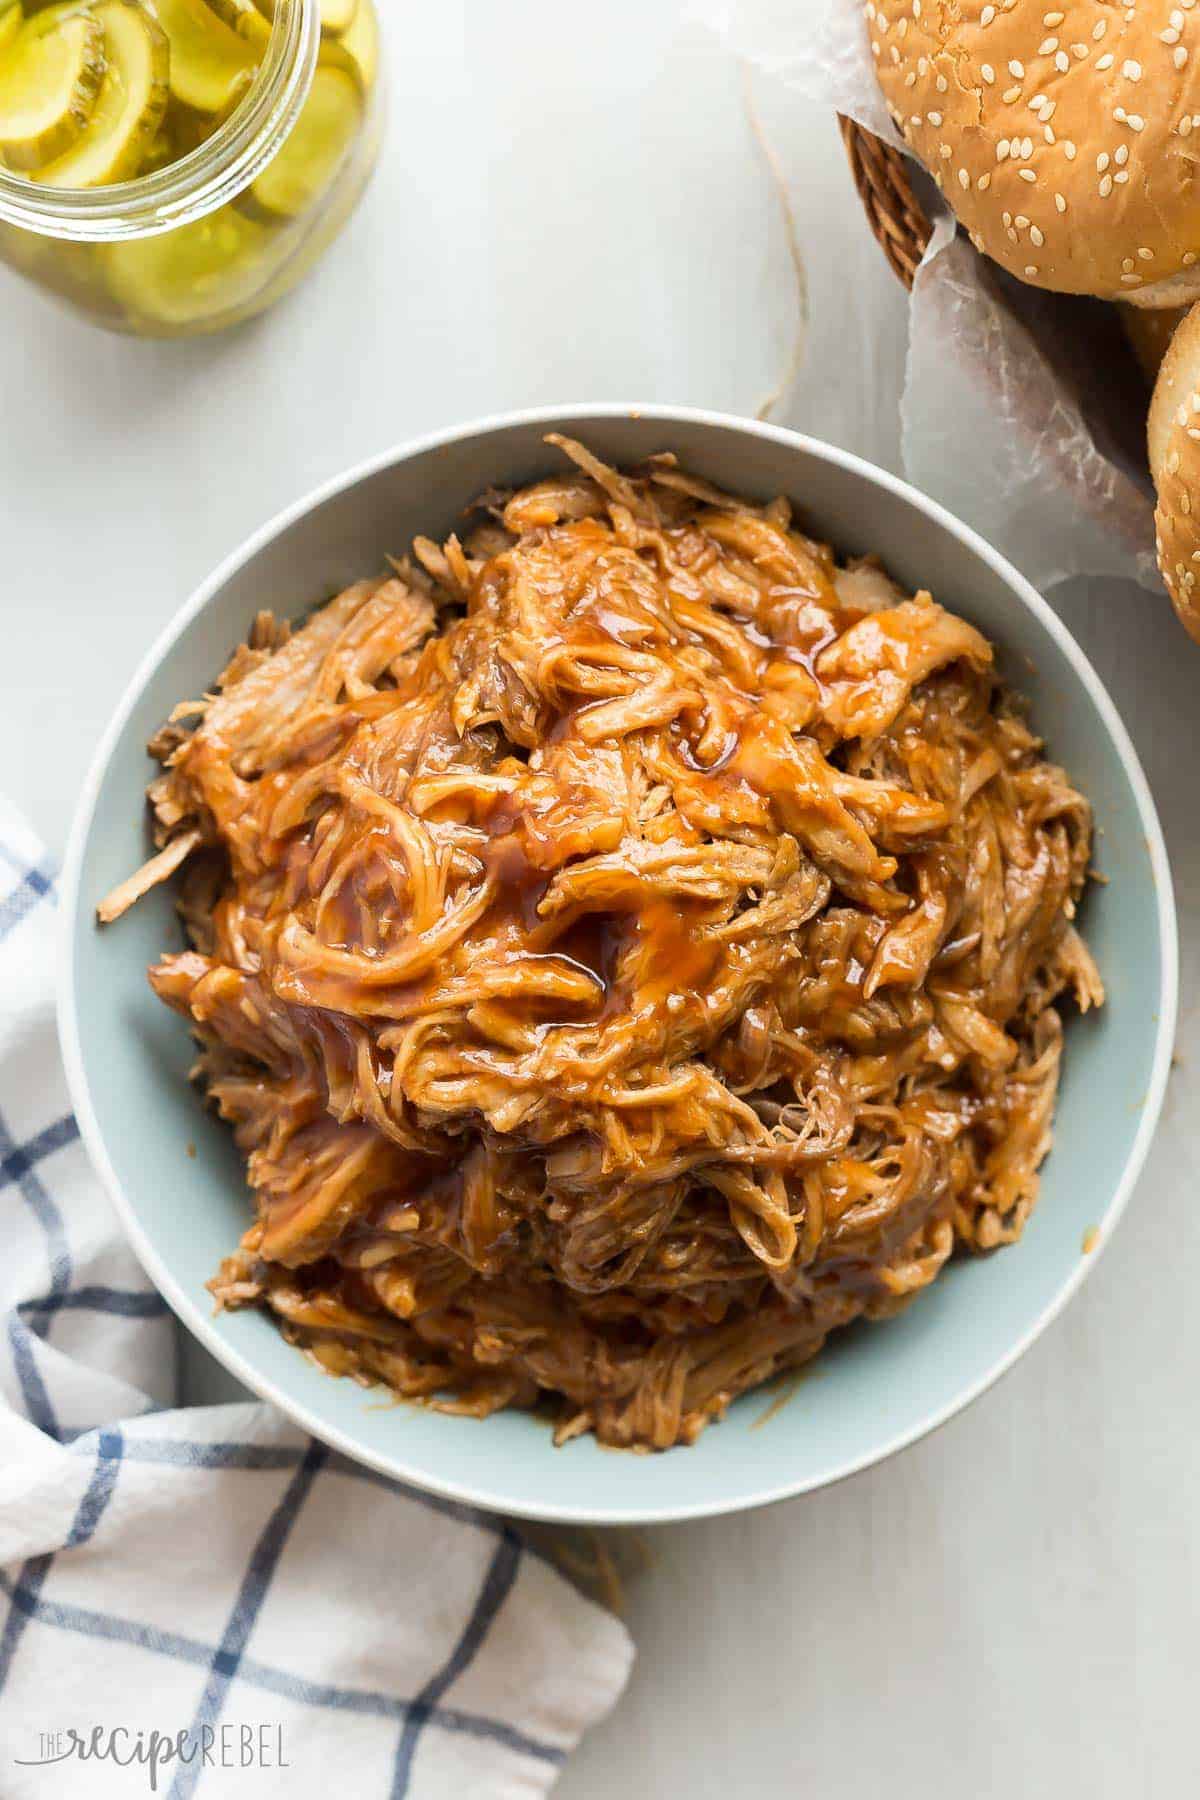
893, 211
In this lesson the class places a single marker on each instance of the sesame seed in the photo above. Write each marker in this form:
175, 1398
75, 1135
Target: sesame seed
1188, 258
1132, 70
1002, 149
1027, 174
1146, 255
1052, 18
984, 182
1062, 61
1127, 263
1060, 202
1006, 217
1016, 68
1102, 162
935, 119
1021, 222
942, 85
987, 15
1106, 186
1105, 61
1133, 281
1179, 57
1099, 29
1079, 52
1048, 46
910, 81
1011, 94
1068, 150
1121, 176
944, 151
987, 72
1122, 155
1011, 235
1173, 462
1036, 236
1031, 268
1135, 122
1169, 36
964, 180
1049, 136
1027, 148
1185, 125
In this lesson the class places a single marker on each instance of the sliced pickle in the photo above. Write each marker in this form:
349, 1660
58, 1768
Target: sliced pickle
50, 81
11, 20
160, 153
336, 15
244, 18
132, 102
198, 274
312, 155
358, 47
208, 60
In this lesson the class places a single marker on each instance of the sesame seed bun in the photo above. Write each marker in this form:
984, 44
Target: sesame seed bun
1174, 444
1060, 133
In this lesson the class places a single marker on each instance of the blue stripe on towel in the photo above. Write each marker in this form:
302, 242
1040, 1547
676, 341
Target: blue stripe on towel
33, 886
28, 1603
99, 1490
497, 1585
246, 1608
124, 1303
18, 1163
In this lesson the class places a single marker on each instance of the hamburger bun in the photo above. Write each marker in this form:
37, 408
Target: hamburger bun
1149, 332
1061, 134
1174, 445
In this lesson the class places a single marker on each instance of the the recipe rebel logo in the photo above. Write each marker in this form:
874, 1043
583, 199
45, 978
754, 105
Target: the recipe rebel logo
155, 1752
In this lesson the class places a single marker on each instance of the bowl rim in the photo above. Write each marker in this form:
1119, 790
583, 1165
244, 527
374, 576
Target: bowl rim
187, 1307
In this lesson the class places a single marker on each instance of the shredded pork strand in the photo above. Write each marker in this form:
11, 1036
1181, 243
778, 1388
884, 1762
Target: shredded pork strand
624, 944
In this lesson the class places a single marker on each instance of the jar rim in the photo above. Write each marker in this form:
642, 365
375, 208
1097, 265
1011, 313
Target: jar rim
203, 180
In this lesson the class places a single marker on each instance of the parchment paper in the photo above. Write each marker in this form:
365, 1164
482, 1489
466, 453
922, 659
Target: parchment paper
1000, 417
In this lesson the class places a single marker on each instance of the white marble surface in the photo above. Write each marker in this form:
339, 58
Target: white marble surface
572, 207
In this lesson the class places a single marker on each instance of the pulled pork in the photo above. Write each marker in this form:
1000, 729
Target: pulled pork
624, 944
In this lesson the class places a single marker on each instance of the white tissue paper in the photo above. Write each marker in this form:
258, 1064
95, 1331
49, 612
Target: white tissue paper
989, 424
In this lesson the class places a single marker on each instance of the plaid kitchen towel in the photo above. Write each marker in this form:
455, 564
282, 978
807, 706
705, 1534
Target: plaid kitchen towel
206, 1601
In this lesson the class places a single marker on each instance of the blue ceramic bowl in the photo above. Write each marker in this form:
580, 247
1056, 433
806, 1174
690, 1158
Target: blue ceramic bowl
880, 1387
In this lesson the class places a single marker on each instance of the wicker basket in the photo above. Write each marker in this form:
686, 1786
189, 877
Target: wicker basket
893, 211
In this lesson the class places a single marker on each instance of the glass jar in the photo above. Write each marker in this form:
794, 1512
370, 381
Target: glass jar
221, 233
